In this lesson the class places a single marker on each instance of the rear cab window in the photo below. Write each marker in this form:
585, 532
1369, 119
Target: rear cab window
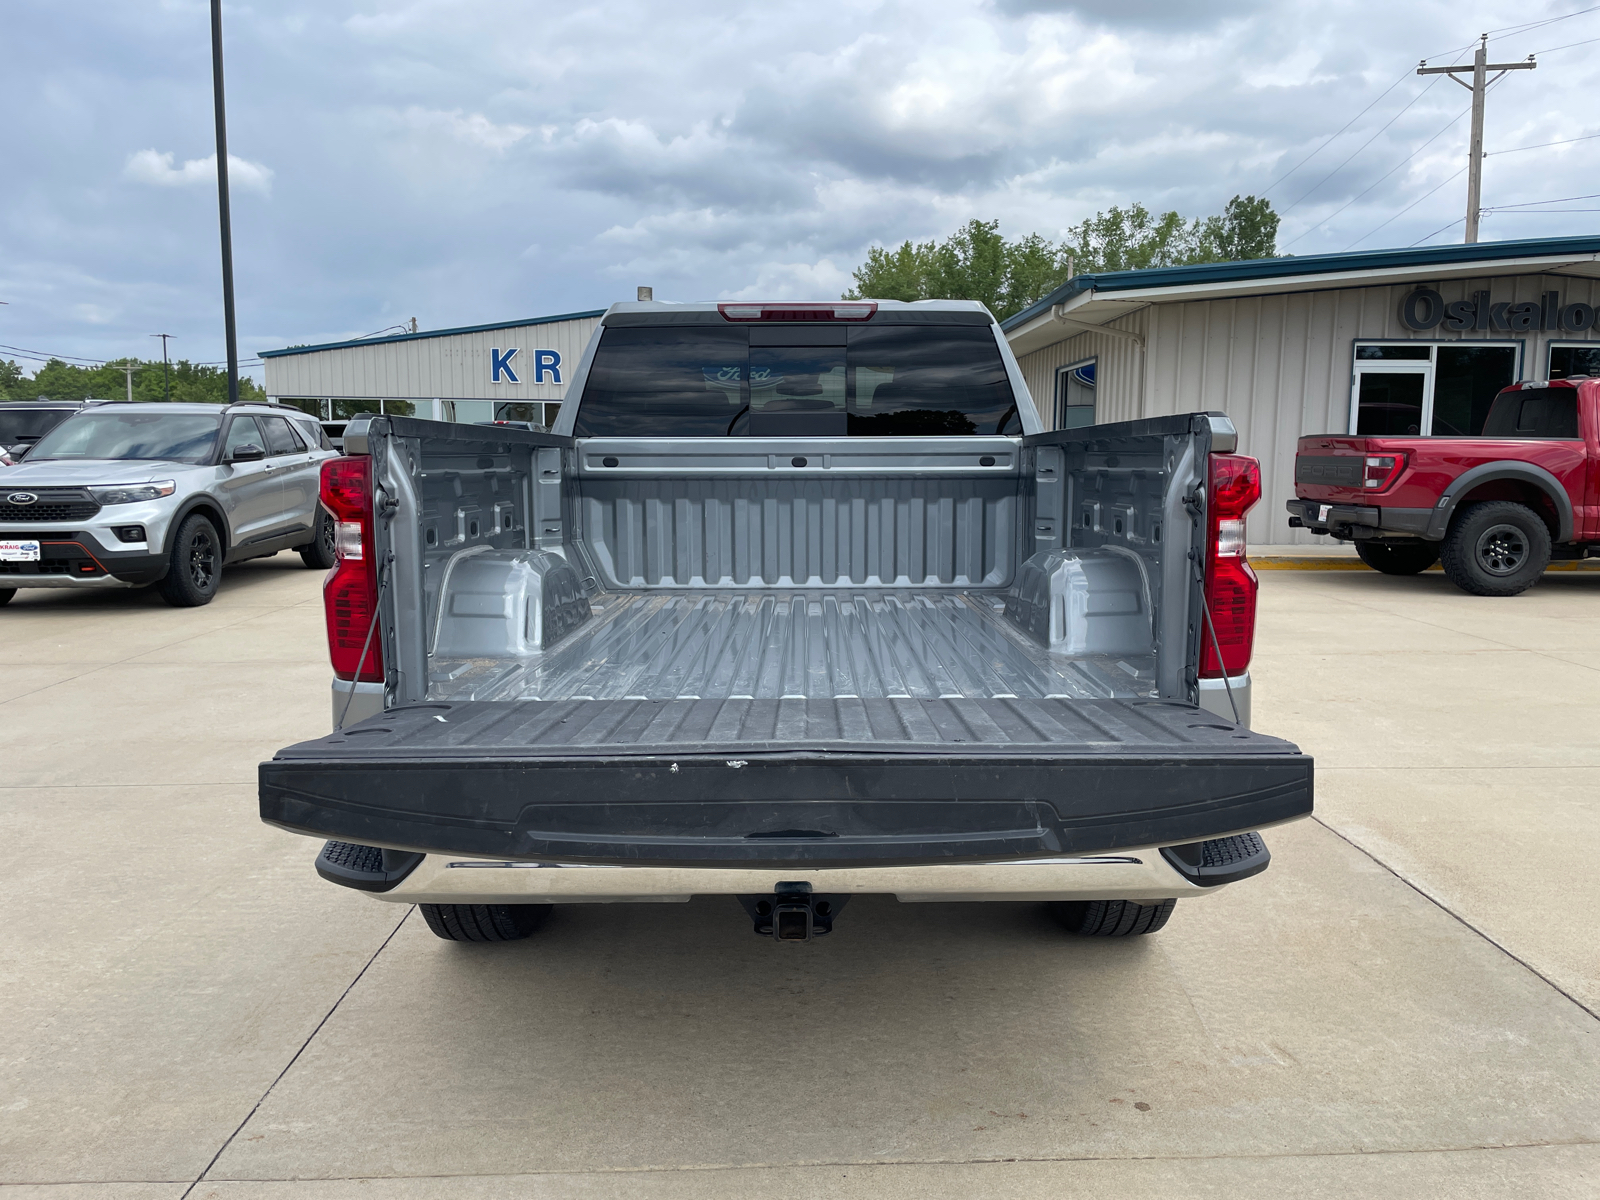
1534, 413
811, 379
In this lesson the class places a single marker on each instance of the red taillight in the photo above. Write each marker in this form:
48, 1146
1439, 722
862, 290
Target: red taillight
1234, 488
846, 310
350, 592
1381, 470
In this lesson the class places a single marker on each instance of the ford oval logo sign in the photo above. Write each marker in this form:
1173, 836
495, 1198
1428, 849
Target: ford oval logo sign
22, 498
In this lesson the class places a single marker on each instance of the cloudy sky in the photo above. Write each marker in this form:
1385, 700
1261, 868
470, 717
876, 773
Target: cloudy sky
478, 161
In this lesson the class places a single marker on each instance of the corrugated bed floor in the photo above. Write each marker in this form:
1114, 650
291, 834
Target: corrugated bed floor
774, 645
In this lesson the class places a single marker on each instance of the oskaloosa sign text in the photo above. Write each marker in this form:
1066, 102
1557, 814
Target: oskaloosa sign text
1426, 309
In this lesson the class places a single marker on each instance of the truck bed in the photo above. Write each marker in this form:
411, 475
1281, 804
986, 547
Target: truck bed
819, 645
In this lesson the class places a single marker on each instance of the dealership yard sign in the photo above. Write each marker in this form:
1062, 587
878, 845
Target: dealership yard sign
1426, 309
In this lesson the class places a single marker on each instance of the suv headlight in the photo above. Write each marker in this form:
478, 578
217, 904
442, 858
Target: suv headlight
133, 493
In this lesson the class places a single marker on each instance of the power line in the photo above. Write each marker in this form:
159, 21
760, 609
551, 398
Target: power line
1342, 128
1408, 208
1323, 223
1508, 31
1568, 46
1532, 203
98, 362
76, 361
1513, 30
1359, 149
1439, 230
1541, 145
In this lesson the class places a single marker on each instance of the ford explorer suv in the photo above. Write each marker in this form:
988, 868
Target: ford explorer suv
1494, 509
795, 603
133, 495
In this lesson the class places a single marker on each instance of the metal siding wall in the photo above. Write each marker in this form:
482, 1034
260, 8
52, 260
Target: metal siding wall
453, 367
1119, 371
1279, 365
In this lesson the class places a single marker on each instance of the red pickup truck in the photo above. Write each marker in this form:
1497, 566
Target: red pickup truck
1493, 509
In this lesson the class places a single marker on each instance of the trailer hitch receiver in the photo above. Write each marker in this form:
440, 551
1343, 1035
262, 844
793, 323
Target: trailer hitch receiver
793, 913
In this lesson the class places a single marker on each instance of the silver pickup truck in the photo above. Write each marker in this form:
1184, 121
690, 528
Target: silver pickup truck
796, 602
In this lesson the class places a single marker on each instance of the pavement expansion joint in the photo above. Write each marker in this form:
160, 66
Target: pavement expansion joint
1466, 924
884, 1163
289, 1066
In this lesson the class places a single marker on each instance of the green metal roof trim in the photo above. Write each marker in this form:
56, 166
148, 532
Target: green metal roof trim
430, 333
1310, 264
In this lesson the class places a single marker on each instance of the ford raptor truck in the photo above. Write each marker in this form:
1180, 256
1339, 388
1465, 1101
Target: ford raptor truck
1494, 510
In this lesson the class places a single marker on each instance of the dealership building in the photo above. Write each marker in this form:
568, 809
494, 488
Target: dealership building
506, 371
1413, 341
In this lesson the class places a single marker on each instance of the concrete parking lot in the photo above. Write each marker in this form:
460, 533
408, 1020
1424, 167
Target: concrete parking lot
1404, 1005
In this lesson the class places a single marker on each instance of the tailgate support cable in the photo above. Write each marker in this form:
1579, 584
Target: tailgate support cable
1205, 607
355, 678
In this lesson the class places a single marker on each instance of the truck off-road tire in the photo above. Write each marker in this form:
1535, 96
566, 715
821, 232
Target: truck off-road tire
196, 565
6, 594
1112, 918
318, 552
1398, 558
484, 922
1496, 548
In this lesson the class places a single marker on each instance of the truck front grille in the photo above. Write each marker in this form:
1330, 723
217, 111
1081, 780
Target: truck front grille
52, 504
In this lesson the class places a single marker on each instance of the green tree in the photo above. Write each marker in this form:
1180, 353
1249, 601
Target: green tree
191, 382
976, 263
13, 383
1247, 229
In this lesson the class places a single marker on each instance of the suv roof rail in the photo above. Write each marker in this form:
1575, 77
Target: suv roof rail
252, 404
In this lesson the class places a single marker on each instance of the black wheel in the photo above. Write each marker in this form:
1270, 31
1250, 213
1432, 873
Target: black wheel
1112, 918
318, 552
1496, 548
1398, 558
195, 568
6, 594
484, 922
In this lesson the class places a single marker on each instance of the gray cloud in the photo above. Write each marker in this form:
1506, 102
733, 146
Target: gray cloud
463, 162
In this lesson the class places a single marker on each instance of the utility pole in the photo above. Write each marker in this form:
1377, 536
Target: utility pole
128, 370
222, 201
1480, 68
166, 381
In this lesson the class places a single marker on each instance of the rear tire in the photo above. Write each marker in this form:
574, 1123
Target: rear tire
1398, 558
6, 594
318, 552
1112, 918
484, 922
1496, 548
195, 568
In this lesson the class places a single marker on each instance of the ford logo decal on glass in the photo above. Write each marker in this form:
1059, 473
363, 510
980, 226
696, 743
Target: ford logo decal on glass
22, 498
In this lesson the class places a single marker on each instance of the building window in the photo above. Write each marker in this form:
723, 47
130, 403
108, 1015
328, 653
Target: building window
1075, 384
1411, 388
1567, 362
315, 408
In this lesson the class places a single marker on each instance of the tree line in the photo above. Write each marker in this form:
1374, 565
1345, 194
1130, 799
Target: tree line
189, 382
977, 263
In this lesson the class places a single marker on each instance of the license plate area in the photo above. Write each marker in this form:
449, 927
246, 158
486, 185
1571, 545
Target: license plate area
12, 550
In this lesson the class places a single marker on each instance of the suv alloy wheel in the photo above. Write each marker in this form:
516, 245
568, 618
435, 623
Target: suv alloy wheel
195, 568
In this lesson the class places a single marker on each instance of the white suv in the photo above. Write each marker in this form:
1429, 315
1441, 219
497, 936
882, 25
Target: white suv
127, 495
